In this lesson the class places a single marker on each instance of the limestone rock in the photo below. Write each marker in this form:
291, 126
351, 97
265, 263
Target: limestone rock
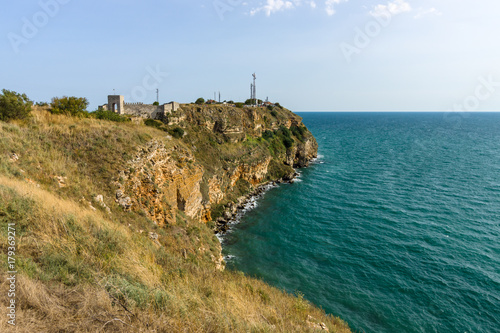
125, 203
61, 181
13, 157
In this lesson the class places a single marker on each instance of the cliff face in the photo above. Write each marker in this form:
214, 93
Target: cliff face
162, 182
225, 153
108, 217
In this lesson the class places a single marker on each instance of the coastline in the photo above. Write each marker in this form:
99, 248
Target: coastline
234, 211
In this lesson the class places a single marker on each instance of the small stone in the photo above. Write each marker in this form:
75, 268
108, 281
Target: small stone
227, 215
61, 181
14, 157
126, 203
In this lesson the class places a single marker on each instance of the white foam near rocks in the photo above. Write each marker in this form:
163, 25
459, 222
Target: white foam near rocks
248, 205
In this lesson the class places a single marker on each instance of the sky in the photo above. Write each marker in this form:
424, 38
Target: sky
308, 55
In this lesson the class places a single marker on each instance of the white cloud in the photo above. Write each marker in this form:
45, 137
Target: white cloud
393, 8
330, 4
433, 11
273, 6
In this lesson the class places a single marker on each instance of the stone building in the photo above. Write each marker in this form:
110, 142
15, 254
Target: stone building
116, 103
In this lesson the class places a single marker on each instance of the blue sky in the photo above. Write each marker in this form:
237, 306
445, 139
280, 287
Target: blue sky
321, 55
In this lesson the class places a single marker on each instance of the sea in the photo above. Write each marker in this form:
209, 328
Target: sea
395, 227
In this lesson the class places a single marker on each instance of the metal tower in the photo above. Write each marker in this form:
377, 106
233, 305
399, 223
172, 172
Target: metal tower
254, 91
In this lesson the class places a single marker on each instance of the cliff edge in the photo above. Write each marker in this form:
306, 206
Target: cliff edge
114, 221
226, 152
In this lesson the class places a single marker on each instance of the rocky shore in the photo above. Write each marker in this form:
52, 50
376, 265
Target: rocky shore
234, 210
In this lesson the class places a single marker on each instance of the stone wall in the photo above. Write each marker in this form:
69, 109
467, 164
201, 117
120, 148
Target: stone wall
149, 110
143, 110
116, 104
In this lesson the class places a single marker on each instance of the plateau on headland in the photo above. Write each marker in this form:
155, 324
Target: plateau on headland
116, 216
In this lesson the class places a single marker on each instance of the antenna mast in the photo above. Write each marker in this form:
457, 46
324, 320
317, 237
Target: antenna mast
254, 91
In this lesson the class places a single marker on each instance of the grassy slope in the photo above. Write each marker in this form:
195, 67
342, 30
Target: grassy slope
85, 270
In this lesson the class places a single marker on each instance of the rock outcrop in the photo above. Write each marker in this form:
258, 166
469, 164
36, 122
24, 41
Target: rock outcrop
162, 181
226, 156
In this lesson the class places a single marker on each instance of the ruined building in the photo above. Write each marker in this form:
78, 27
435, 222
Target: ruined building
116, 103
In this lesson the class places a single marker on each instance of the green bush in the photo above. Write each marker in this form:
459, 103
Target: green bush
200, 101
285, 132
298, 132
14, 105
153, 123
109, 115
251, 101
73, 106
176, 132
156, 103
268, 135
274, 113
288, 142
238, 105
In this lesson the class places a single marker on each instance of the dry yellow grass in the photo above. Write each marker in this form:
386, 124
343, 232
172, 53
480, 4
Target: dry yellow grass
84, 270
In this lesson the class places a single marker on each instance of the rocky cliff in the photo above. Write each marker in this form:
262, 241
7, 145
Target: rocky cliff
224, 153
108, 220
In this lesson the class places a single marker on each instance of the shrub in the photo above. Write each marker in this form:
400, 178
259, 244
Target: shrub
200, 101
73, 106
268, 135
109, 115
251, 101
285, 132
153, 123
176, 132
156, 103
298, 132
14, 105
274, 113
238, 105
288, 142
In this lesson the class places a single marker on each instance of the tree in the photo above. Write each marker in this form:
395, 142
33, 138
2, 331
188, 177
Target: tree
73, 106
251, 101
156, 103
14, 105
108, 115
200, 101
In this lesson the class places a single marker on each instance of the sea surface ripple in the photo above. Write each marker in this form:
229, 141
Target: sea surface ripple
395, 228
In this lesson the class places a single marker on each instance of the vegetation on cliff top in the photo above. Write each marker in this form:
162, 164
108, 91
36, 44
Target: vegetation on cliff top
86, 265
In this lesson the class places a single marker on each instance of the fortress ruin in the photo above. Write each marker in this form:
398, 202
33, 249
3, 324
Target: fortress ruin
116, 103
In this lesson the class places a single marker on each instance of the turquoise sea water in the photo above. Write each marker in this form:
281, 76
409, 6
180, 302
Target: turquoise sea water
395, 228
